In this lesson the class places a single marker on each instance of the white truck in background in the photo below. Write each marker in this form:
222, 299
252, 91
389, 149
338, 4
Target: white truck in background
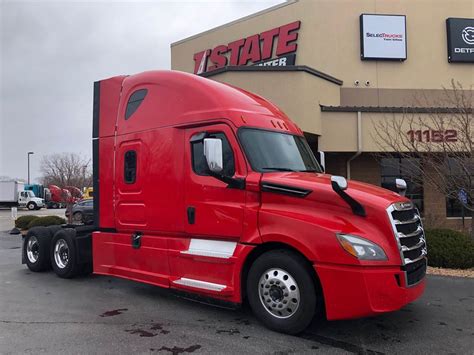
13, 194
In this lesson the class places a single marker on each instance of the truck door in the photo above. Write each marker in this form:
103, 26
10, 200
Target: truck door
130, 208
22, 198
212, 208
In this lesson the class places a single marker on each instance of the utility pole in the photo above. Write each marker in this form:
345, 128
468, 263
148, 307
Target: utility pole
29, 153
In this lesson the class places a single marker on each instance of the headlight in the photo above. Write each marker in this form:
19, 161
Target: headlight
361, 248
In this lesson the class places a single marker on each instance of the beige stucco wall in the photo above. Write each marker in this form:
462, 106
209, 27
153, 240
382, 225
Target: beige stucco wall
339, 131
329, 41
298, 94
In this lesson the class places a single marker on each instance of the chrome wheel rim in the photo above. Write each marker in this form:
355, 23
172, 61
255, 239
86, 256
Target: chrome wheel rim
77, 217
279, 293
61, 253
32, 249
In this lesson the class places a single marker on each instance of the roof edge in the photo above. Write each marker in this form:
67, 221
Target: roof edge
261, 12
288, 68
388, 109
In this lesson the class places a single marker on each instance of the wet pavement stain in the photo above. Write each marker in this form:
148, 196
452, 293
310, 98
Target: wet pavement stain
141, 332
114, 312
158, 326
242, 321
175, 350
442, 323
228, 331
246, 337
339, 344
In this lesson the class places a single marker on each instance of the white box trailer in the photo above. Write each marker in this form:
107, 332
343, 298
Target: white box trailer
13, 194
9, 191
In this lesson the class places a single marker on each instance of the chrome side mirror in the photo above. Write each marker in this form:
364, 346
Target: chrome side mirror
401, 186
340, 181
322, 160
213, 154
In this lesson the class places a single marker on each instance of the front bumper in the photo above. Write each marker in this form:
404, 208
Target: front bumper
358, 291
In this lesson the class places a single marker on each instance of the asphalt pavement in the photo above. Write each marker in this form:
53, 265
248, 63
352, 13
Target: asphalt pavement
41, 313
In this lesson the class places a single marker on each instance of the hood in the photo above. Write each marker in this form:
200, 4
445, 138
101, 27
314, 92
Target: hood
320, 189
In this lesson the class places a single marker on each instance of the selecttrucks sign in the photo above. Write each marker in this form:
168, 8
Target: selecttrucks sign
383, 37
460, 40
256, 49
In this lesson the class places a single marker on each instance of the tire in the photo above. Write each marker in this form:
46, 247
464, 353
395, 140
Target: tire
281, 291
31, 206
63, 254
78, 217
36, 249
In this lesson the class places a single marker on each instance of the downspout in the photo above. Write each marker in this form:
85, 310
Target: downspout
359, 145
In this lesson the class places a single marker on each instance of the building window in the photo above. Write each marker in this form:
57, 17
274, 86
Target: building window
199, 160
407, 169
459, 180
130, 167
134, 102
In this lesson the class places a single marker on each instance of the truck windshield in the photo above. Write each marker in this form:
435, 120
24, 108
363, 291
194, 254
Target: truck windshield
273, 151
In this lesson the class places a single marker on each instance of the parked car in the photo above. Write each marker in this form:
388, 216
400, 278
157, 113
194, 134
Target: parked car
82, 211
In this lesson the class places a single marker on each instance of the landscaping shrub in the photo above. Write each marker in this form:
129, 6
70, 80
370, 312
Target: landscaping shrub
22, 222
46, 221
450, 249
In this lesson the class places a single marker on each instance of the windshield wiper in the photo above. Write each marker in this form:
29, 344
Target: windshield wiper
277, 169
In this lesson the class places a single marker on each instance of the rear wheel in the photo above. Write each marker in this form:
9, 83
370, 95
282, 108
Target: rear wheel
63, 255
36, 249
78, 217
281, 291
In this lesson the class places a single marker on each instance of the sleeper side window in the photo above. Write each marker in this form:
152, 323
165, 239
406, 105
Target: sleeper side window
134, 102
130, 167
199, 160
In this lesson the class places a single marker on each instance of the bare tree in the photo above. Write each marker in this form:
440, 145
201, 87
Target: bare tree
66, 169
442, 138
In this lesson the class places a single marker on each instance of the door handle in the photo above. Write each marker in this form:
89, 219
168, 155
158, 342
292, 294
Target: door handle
136, 240
191, 211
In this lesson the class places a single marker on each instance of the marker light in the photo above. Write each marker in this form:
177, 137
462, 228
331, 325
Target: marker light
361, 248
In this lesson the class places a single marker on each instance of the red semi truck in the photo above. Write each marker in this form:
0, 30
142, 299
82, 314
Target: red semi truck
212, 190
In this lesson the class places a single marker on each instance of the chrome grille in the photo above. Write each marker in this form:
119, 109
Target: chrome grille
410, 236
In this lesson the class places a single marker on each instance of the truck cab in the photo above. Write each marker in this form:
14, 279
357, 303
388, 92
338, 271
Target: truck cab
28, 199
211, 190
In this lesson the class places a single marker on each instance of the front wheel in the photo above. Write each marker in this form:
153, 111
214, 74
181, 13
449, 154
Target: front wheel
31, 206
281, 291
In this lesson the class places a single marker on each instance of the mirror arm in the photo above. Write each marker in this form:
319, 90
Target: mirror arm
355, 205
231, 182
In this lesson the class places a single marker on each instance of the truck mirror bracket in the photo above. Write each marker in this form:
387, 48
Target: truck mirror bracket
232, 183
355, 205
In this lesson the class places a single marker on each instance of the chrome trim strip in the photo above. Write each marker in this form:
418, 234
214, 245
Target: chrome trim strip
403, 206
212, 248
204, 285
417, 246
412, 234
411, 261
409, 221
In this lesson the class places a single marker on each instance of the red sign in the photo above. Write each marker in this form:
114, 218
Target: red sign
253, 49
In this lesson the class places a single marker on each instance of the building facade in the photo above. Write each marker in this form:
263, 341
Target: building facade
342, 68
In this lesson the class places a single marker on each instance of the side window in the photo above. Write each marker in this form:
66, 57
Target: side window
199, 160
130, 167
134, 102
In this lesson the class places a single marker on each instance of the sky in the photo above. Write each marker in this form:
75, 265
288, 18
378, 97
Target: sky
52, 52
